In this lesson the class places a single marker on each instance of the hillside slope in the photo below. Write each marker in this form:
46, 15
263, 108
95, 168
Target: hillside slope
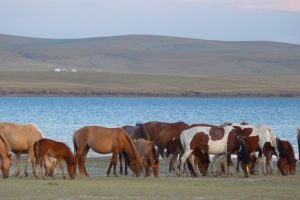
146, 54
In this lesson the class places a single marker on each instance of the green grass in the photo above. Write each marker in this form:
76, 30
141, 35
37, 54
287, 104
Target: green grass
98, 186
100, 83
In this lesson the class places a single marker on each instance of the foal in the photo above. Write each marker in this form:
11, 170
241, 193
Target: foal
47, 147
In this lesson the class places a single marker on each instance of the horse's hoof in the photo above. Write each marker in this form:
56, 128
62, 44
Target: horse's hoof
26, 174
64, 177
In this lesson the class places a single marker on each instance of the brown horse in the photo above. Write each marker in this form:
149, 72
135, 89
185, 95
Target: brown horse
287, 161
105, 140
5, 158
47, 147
20, 140
148, 154
165, 136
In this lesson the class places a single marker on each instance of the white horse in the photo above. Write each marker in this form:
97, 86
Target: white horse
200, 137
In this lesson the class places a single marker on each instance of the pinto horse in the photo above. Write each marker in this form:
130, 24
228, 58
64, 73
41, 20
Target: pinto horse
287, 160
266, 143
6, 158
210, 139
47, 147
105, 140
20, 139
148, 154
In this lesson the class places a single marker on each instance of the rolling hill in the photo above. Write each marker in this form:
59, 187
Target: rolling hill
148, 54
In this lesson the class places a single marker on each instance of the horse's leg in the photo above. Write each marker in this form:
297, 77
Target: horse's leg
237, 168
172, 164
31, 159
183, 159
18, 157
112, 162
61, 167
84, 159
148, 166
264, 160
121, 164
42, 166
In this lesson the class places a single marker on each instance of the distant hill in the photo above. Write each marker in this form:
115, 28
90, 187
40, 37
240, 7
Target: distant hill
148, 54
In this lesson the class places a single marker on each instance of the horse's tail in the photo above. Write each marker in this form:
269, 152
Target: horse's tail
36, 150
298, 139
74, 142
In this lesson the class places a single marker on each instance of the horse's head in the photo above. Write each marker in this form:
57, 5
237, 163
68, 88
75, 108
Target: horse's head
72, 168
6, 165
283, 166
136, 165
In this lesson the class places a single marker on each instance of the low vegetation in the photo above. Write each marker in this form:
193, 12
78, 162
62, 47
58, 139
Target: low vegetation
117, 84
98, 186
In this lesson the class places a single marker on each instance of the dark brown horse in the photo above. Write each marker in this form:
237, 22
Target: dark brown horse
105, 140
165, 136
47, 147
287, 161
5, 157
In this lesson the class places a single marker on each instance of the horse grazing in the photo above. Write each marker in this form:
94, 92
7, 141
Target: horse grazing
165, 136
105, 140
5, 158
210, 139
20, 139
287, 161
266, 143
59, 150
148, 154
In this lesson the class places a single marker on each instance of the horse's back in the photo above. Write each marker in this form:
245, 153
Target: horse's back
98, 138
20, 136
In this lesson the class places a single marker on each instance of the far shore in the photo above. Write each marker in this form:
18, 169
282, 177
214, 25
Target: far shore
103, 84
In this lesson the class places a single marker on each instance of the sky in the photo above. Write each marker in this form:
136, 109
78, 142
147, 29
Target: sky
229, 20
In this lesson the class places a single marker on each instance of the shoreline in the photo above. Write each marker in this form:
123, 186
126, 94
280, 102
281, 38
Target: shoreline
150, 95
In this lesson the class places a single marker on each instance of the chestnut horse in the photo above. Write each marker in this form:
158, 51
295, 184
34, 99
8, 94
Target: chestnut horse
20, 140
212, 140
47, 147
105, 140
5, 156
287, 160
148, 154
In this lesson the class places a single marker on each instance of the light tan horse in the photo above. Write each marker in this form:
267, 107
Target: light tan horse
150, 158
59, 150
20, 140
5, 158
105, 140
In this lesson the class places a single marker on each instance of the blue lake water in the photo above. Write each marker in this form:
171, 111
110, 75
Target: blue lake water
59, 117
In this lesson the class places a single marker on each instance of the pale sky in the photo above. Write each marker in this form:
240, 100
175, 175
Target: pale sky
233, 20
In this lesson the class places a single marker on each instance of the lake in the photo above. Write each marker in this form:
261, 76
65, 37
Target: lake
59, 117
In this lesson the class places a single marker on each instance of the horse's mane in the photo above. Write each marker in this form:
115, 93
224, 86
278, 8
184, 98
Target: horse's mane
145, 132
244, 151
130, 142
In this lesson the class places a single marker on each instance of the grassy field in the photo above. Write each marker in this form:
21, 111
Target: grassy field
98, 186
116, 84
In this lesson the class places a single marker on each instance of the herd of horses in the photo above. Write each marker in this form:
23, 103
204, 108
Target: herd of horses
185, 148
